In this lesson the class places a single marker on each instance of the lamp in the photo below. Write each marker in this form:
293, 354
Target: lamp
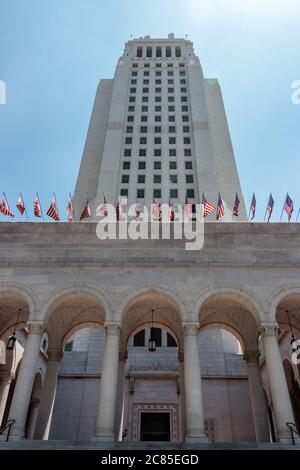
294, 345
152, 342
11, 342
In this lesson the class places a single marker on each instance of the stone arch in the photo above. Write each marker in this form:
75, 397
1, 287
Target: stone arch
224, 326
13, 297
285, 298
233, 308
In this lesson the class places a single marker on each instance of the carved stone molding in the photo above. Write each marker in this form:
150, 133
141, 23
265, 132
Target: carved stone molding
55, 355
269, 329
113, 329
190, 329
36, 328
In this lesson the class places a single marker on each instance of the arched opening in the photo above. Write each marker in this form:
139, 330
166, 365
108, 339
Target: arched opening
150, 400
294, 390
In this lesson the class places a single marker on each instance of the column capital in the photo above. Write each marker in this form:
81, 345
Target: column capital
269, 329
36, 327
112, 328
190, 329
55, 355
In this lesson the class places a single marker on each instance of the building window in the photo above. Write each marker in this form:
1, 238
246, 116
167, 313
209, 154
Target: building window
157, 179
145, 99
157, 152
143, 129
133, 82
178, 51
173, 179
144, 118
170, 81
172, 129
158, 82
128, 140
188, 165
182, 81
183, 90
173, 165
158, 65
149, 52
170, 73
141, 179
126, 165
157, 140
171, 109
186, 129
168, 52
190, 193
132, 90
171, 118
135, 65
157, 90
129, 129
140, 193
139, 339
173, 193
172, 140
145, 90
187, 152
127, 152
131, 99
139, 52
142, 152
125, 179
181, 64
157, 118
158, 99
155, 334
185, 118
124, 192
142, 165
171, 343
157, 129
172, 152
158, 73
186, 140
182, 73
157, 109
171, 99
131, 109
130, 118
170, 64
184, 109
143, 140
157, 165
157, 193
170, 90
144, 109
69, 346
184, 99
146, 73
134, 73
158, 51
189, 178
146, 81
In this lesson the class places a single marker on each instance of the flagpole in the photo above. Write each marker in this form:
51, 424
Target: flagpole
73, 213
283, 207
24, 205
266, 214
11, 218
40, 206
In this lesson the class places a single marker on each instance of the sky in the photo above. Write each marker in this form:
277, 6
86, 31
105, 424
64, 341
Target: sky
54, 52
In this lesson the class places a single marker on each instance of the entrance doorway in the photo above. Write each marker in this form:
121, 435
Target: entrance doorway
155, 427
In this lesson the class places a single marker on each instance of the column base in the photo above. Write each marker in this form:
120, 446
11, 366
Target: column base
196, 437
103, 438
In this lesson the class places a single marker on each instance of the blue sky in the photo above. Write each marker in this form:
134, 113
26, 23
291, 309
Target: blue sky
54, 52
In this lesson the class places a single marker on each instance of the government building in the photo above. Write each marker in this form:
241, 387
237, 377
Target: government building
143, 340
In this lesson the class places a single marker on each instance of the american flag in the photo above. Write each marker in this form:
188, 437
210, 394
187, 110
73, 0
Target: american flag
53, 210
21, 205
253, 207
289, 206
236, 206
86, 213
155, 209
270, 206
171, 211
4, 208
187, 208
37, 207
208, 208
220, 208
70, 210
102, 210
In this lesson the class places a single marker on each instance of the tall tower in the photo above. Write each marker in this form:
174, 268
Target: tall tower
158, 130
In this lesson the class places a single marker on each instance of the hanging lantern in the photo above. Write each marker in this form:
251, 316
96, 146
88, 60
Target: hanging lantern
11, 342
152, 342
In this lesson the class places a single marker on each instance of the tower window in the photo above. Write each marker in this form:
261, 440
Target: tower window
158, 73
127, 152
142, 165
178, 51
139, 339
143, 140
129, 129
146, 73
128, 140
145, 99
157, 152
171, 118
141, 179
126, 165
157, 179
173, 165
143, 129
170, 73
173, 179
132, 90
185, 118
157, 140
184, 99
144, 109
157, 195
139, 52
149, 51
189, 178
142, 152
145, 90
124, 192
157, 118
187, 152
144, 118
186, 129
158, 51
158, 99
140, 193
168, 52
170, 90
157, 165
172, 152
172, 129
125, 179
188, 165
157, 129
190, 193
131, 99
173, 193
186, 140
172, 140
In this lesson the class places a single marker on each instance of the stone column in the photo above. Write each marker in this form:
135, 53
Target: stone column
192, 381
120, 396
105, 427
44, 418
23, 389
6, 378
279, 391
257, 397
31, 420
